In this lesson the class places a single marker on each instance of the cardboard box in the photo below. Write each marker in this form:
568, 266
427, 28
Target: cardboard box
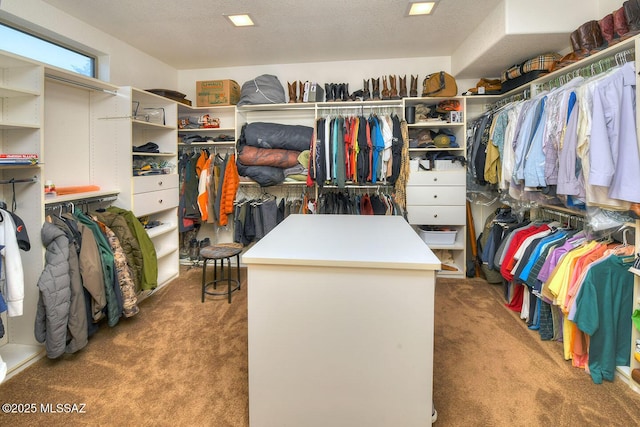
217, 92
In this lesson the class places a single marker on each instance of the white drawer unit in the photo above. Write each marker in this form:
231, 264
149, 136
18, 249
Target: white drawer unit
143, 184
457, 177
441, 195
154, 201
436, 198
436, 215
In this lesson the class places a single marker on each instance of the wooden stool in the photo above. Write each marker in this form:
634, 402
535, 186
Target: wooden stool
220, 252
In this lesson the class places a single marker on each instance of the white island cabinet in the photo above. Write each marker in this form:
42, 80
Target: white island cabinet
340, 315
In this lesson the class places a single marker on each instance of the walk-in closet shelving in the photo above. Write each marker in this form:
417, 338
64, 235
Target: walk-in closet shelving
21, 132
597, 63
151, 192
436, 191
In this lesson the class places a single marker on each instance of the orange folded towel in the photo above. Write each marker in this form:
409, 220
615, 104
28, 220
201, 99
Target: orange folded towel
61, 191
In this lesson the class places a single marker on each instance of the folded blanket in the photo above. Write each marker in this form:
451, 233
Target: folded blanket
254, 156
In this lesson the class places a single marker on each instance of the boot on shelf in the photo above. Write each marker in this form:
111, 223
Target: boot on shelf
301, 92
328, 92
345, 91
375, 83
403, 87
366, 94
293, 89
393, 91
385, 88
414, 86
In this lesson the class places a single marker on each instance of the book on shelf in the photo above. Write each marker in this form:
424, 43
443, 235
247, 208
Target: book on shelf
18, 156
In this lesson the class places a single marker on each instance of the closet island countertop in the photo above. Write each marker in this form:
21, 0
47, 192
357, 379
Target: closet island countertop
369, 241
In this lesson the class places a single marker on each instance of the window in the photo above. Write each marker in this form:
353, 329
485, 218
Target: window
30, 46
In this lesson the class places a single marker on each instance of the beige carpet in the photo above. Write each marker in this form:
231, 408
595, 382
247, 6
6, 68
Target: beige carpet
184, 363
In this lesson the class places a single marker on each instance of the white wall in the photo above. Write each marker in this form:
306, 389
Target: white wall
128, 66
607, 6
351, 72
548, 16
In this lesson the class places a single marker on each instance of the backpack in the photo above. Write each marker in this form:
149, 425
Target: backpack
264, 89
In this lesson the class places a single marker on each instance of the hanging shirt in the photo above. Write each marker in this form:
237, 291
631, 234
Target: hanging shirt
603, 309
615, 161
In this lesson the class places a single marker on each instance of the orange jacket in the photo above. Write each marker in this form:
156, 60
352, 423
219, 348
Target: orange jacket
230, 183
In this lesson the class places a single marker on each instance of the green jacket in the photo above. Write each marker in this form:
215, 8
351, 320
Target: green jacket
149, 258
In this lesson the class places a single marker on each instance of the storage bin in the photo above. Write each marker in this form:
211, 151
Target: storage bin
437, 237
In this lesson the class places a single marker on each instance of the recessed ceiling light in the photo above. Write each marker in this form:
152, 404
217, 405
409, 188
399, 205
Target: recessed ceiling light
243, 20
421, 8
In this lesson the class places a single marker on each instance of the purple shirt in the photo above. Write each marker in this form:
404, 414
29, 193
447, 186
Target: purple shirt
614, 157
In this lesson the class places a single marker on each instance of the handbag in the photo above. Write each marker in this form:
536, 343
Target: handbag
439, 84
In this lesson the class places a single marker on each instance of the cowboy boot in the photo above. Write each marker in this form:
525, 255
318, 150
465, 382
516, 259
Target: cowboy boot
403, 87
632, 13
366, 94
385, 88
328, 90
393, 92
345, 91
414, 86
300, 92
292, 91
376, 88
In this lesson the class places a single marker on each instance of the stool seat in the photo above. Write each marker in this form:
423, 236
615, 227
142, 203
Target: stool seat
220, 252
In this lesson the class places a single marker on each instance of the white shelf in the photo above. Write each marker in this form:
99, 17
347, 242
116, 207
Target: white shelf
19, 356
161, 229
436, 124
152, 125
11, 92
80, 196
230, 130
138, 153
17, 125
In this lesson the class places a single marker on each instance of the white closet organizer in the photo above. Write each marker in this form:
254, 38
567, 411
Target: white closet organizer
593, 64
155, 195
436, 198
21, 121
306, 114
226, 114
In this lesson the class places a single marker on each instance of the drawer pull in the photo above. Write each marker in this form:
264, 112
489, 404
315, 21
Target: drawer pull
435, 179
160, 201
160, 183
435, 215
435, 196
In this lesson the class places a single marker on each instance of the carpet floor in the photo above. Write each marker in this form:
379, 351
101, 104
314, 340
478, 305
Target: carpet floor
180, 362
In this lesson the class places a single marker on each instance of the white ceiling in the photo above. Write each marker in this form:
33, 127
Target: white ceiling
192, 34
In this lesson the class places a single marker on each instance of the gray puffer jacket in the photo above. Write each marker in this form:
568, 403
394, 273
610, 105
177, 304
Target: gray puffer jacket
55, 292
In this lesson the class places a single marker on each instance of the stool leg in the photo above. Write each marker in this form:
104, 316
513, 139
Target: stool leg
228, 276
215, 273
204, 278
238, 266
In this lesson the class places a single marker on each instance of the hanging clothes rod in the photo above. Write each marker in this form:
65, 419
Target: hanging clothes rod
16, 181
522, 96
594, 68
80, 84
80, 202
